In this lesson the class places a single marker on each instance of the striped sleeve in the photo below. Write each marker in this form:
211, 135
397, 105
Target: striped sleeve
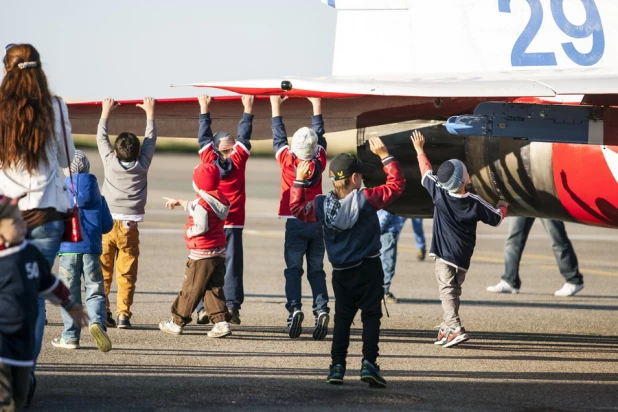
488, 214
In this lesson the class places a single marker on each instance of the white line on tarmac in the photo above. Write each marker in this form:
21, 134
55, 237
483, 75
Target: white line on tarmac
280, 233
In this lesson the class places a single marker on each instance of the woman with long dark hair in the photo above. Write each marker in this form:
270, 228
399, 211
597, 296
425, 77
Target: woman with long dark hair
32, 151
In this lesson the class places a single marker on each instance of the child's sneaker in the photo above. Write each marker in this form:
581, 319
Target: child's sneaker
455, 337
335, 374
220, 330
390, 298
169, 326
235, 314
202, 317
111, 323
123, 322
295, 324
321, 326
371, 374
65, 344
442, 335
104, 344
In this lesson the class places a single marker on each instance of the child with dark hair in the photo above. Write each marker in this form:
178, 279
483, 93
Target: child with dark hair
83, 259
126, 167
352, 238
456, 213
24, 276
230, 156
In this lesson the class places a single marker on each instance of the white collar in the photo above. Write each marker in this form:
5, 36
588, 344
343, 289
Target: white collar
12, 250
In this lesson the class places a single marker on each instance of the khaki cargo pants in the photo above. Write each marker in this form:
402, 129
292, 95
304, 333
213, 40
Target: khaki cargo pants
121, 249
449, 280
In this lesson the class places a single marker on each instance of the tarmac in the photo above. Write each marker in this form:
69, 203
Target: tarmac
528, 352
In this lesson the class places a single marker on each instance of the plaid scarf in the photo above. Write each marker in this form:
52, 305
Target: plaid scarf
331, 208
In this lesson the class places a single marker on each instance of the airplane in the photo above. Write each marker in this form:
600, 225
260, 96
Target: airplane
523, 91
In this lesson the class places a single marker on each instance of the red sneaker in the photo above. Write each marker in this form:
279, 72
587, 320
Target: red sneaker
442, 335
455, 337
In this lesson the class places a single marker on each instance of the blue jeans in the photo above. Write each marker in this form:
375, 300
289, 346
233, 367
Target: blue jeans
304, 239
389, 257
519, 228
72, 267
47, 238
419, 234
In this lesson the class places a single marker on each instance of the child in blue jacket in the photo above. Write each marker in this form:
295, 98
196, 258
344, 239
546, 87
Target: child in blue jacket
84, 258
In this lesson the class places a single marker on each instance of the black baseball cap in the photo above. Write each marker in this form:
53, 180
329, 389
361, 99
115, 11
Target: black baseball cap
8, 206
344, 165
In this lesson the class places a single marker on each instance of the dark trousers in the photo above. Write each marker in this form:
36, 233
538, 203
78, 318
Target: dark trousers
304, 240
358, 288
519, 229
14, 387
203, 280
234, 267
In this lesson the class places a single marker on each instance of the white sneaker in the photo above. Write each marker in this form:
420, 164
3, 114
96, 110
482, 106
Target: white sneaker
64, 344
220, 330
169, 326
502, 287
569, 289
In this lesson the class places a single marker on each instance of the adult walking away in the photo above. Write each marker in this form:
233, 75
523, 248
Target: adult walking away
390, 229
519, 229
419, 238
32, 151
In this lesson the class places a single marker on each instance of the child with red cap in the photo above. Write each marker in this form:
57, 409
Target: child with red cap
205, 269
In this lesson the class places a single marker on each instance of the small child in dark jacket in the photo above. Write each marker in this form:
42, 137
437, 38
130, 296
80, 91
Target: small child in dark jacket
205, 268
456, 213
24, 275
84, 258
352, 239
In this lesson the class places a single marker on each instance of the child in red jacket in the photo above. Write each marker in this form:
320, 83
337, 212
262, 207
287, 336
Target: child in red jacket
205, 269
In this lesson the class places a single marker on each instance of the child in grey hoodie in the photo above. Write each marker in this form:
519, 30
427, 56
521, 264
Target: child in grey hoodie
126, 191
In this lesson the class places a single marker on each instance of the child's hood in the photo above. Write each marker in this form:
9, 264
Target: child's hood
218, 202
86, 188
342, 214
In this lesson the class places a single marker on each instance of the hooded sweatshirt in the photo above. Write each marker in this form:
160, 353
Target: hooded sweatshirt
204, 235
351, 226
94, 214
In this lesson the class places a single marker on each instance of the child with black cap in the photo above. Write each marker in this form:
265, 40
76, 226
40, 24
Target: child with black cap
205, 268
24, 275
230, 156
352, 239
456, 213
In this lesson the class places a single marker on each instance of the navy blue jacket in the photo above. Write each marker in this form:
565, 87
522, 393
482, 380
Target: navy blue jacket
24, 275
94, 213
355, 240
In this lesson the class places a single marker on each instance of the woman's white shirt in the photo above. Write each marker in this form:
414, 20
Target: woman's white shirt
44, 188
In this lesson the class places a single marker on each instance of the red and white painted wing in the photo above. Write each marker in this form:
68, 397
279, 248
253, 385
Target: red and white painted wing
505, 85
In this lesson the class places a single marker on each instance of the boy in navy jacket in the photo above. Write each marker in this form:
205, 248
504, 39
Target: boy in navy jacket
352, 238
24, 275
84, 258
456, 213
230, 156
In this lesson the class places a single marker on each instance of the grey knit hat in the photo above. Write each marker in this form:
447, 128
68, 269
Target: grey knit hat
80, 164
452, 175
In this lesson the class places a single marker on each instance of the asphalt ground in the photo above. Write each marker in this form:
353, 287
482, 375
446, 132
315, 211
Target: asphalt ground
528, 352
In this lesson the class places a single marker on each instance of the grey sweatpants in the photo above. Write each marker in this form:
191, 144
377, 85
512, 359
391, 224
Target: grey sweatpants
449, 280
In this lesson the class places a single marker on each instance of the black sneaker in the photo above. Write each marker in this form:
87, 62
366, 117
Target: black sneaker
235, 314
295, 323
111, 323
420, 254
123, 322
321, 326
335, 374
371, 374
202, 317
